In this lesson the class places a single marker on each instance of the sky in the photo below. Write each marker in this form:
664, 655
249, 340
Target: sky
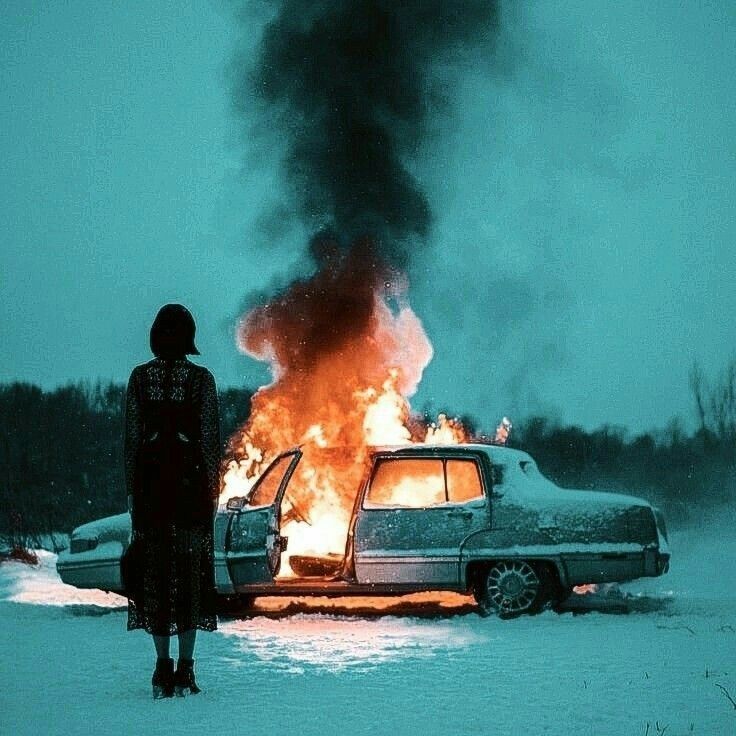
582, 188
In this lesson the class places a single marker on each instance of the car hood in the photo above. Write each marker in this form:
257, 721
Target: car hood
109, 529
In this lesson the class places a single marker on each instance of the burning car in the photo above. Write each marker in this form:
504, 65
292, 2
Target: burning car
472, 518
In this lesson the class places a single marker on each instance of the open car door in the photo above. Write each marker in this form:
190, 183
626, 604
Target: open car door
254, 543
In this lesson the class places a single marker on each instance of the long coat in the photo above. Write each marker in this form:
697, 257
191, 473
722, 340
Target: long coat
172, 462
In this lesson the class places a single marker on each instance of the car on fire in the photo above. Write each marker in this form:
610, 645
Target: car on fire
472, 518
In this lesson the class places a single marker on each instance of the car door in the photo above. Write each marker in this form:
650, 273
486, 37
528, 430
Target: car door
415, 514
254, 544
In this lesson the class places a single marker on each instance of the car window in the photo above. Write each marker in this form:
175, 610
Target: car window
265, 490
407, 482
530, 468
463, 481
413, 482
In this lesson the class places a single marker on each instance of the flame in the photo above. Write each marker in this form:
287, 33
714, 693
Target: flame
587, 589
335, 398
446, 431
502, 432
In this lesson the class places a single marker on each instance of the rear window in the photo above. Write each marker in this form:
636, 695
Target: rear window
423, 482
463, 481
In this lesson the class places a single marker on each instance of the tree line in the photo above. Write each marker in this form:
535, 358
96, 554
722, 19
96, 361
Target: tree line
61, 455
680, 471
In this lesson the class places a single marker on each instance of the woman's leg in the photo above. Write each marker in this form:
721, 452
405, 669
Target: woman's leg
187, 640
162, 646
184, 677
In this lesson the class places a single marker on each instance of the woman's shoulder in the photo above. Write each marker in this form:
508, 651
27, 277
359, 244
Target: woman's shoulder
143, 367
138, 370
182, 366
201, 372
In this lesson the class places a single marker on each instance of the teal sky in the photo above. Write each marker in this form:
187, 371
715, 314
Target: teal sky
583, 191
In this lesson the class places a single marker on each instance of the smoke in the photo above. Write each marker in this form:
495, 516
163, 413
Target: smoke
314, 316
349, 87
344, 91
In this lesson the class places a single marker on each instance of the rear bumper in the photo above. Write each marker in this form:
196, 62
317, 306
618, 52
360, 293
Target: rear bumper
616, 567
663, 563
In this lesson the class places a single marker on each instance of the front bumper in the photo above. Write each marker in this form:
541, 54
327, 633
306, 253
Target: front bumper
95, 568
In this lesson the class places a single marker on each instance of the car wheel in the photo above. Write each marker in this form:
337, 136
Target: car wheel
510, 588
558, 597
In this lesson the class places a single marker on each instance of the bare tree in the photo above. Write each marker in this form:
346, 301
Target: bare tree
715, 403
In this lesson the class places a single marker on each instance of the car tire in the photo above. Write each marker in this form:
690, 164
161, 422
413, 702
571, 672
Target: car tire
558, 596
511, 588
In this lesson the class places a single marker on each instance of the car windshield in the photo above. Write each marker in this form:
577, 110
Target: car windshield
530, 469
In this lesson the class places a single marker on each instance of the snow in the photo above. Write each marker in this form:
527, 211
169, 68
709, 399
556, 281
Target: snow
655, 653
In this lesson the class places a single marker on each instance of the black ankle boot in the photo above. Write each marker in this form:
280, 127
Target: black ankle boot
162, 682
184, 678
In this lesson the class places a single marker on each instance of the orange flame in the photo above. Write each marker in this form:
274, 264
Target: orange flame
350, 396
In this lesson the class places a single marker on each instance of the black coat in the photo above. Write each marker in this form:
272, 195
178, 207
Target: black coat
172, 461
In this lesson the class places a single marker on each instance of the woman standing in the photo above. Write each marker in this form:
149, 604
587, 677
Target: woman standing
172, 457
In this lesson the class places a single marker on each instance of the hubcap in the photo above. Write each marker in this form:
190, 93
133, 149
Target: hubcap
512, 586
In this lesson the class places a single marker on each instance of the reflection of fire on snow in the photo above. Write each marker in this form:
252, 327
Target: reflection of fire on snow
346, 352
334, 643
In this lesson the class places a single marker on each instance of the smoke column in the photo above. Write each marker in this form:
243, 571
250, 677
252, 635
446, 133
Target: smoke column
348, 88
349, 85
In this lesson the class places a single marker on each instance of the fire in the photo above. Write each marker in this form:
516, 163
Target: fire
587, 589
346, 353
503, 431
446, 431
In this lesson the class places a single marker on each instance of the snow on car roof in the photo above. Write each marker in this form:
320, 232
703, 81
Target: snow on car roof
525, 482
498, 453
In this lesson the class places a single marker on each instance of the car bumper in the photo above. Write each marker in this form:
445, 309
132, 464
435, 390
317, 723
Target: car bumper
661, 564
615, 567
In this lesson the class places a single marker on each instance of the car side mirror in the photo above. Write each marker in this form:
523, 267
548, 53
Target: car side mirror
237, 503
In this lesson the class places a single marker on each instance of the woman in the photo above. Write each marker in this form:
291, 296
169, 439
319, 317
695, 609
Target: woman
172, 456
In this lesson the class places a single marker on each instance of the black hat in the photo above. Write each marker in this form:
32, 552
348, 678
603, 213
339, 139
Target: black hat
172, 332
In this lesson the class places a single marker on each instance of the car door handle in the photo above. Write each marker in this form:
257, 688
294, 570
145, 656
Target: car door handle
460, 514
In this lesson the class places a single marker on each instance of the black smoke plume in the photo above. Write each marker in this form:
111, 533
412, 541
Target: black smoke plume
349, 86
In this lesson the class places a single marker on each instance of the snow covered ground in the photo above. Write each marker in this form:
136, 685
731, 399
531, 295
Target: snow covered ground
659, 659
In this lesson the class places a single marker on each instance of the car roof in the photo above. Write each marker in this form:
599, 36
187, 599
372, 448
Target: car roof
498, 453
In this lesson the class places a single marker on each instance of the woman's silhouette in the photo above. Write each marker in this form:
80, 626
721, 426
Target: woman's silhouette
172, 456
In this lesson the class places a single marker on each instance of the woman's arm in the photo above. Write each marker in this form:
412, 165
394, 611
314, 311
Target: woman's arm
133, 435
210, 435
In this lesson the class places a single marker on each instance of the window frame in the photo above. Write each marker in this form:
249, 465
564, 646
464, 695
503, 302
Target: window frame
476, 459
285, 457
